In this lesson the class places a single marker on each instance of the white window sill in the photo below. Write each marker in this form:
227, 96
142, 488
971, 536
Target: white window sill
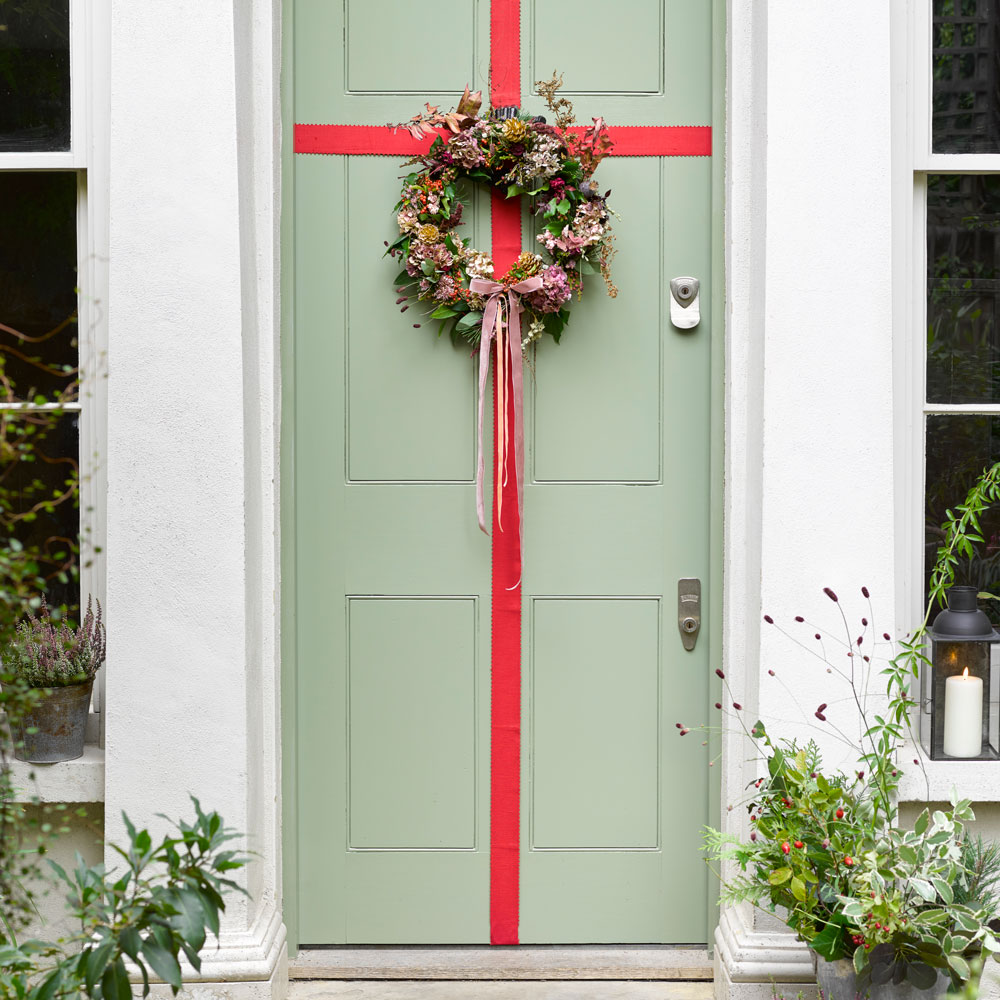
80, 780
978, 780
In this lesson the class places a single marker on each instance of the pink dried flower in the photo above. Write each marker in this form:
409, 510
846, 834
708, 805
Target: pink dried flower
554, 293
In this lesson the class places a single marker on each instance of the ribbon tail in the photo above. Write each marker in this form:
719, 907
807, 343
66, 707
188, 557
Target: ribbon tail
501, 413
485, 340
517, 387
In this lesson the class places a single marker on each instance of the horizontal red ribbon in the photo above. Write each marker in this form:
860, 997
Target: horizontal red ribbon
383, 140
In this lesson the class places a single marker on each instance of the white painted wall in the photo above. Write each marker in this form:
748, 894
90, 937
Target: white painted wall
192, 464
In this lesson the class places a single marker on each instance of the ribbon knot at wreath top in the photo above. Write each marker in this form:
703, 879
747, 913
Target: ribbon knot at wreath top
516, 155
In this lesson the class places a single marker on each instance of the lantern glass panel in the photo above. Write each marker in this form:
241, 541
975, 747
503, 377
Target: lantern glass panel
963, 719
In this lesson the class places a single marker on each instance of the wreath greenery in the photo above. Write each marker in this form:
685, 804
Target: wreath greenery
519, 155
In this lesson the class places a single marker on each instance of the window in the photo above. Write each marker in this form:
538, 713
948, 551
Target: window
954, 155
53, 238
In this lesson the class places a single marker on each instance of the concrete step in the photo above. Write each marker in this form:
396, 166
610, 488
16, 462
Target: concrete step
527, 962
509, 990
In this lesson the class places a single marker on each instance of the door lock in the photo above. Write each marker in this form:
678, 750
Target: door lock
689, 611
685, 310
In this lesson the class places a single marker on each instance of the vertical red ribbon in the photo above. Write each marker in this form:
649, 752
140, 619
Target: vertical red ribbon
505, 643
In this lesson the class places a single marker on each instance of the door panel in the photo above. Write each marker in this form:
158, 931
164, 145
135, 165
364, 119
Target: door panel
392, 574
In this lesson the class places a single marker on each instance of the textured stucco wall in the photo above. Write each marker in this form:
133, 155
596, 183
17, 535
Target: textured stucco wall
81, 833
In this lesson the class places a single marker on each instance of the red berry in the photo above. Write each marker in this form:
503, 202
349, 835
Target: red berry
799, 844
840, 814
848, 860
878, 927
785, 848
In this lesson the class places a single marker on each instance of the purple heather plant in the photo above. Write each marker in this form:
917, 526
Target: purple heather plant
47, 653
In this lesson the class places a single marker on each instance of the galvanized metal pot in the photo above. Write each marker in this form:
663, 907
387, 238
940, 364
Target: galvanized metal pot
60, 719
838, 982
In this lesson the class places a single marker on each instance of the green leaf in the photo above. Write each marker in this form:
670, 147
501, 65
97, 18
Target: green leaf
960, 967
779, 876
193, 923
130, 942
798, 889
114, 983
826, 944
943, 889
923, 821
468, 321
96, 962
443, 312
563, 206
162, 963
51, 984
859, 958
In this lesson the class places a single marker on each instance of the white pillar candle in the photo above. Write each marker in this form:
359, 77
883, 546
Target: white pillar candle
963, 715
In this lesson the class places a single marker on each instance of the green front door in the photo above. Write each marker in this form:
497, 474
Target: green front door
388, 598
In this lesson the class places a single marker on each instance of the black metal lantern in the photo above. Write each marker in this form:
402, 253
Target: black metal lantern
957, 692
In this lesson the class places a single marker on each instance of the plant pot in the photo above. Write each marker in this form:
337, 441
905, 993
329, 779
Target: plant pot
838, 981
60, 719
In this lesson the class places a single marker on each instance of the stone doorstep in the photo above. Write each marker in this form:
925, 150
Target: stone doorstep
473, 962
510, 990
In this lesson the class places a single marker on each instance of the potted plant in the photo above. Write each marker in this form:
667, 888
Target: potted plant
61, 662
886, 909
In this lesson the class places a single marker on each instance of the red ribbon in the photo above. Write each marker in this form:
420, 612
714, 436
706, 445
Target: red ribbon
381, 140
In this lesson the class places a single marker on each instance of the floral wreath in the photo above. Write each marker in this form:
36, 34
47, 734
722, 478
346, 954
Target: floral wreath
519, 155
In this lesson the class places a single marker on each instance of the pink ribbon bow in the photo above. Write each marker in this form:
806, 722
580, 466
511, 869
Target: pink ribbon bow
507, 331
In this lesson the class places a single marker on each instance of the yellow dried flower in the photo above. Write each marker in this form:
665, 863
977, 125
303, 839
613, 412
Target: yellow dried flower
515, 130
428, 233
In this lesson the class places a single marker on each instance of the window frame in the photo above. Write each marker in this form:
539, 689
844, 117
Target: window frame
89, 58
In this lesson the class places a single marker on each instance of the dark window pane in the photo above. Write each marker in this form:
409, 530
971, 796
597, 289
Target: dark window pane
958, 449
963, 288
38, 335
39, 496
34, 75
965, 61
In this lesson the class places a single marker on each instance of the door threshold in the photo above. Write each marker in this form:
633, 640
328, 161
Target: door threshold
684, 963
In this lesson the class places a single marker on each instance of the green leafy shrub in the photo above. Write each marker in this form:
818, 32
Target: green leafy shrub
826, 851
158, 909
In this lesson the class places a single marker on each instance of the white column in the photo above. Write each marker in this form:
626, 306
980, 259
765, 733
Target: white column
192, 602
809, 378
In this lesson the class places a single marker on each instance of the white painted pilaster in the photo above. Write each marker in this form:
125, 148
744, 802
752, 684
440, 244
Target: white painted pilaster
810, 500
192, 604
